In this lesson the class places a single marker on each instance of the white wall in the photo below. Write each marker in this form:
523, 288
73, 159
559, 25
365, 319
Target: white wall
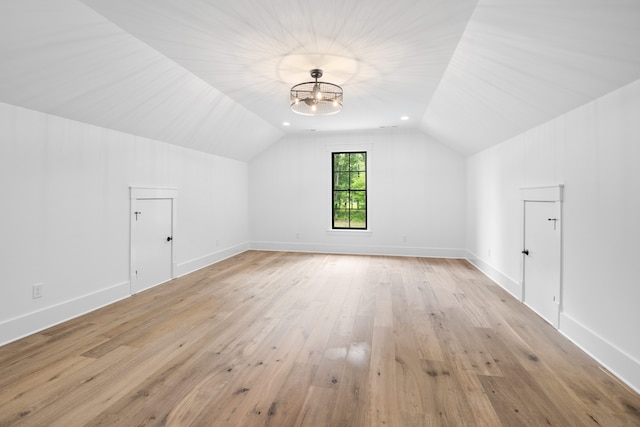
416, 188
595, 152
64, 214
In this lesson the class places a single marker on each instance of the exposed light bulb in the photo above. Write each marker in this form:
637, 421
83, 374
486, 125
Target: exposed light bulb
317, 93
313, 107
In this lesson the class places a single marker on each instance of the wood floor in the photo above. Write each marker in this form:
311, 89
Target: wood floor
284, 339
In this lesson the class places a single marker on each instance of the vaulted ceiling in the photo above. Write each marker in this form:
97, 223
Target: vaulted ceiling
214, 75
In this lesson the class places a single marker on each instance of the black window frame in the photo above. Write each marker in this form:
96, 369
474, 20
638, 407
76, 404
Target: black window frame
349, 191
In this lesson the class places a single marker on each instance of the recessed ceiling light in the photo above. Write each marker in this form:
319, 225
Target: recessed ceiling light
404, 118
285, 123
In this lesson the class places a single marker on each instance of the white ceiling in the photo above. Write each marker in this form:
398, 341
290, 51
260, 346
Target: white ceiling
214, 75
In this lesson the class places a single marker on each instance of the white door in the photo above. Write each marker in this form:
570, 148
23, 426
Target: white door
542, 247
153, 243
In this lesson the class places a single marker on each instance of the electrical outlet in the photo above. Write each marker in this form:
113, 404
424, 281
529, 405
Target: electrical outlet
37, 290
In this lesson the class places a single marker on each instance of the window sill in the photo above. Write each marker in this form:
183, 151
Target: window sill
339, 232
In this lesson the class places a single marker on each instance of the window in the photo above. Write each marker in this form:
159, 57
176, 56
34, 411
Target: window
349, 185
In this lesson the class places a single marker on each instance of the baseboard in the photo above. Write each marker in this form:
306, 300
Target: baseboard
504, 281
620, 364
361, 249
190, 266
30, 323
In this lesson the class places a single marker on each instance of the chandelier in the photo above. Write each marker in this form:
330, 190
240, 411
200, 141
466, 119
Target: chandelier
316, 98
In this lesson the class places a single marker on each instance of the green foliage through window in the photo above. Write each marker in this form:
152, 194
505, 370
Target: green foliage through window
349, 182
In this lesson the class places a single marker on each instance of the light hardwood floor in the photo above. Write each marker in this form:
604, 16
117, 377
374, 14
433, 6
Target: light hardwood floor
286, 339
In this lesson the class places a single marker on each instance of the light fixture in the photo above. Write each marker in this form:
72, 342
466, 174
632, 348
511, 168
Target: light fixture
316, 98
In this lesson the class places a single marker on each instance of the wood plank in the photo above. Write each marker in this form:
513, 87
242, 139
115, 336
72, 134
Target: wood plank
314, 409
510, 396
291, 397
383, 404
446, 402
352, 404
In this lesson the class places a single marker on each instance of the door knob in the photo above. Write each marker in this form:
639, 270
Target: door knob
525, 251
169, 239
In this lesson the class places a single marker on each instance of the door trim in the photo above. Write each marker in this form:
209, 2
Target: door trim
542, 194
135, 194
553, 194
